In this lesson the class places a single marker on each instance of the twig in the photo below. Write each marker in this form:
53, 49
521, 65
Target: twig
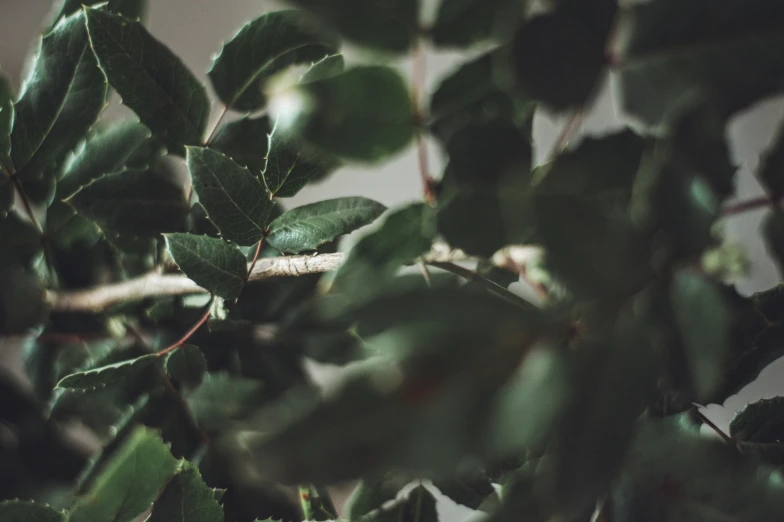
746, 206
182, 340
715, 428
490, 285
255, 258
418, 79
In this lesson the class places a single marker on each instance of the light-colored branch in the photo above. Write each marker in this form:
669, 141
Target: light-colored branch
100, 298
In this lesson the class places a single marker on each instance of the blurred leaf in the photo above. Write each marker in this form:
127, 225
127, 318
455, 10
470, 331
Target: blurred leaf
290, 166
373, 491
234, 199
22, 305
107, 375
26, 511
728, 49
327, 67
133, 9
498, 275
144, 461
262, 48
308, 226
103, 152
461, 23
212, 263
765, 349
771, 170
187, 365
245, 141
21, 242
382, 25
222, 398
759, 429
6, 124
186, 498
151, 80
420, 506
133, 202
342, 116
61, 100
467, 489
7, 193
773, 232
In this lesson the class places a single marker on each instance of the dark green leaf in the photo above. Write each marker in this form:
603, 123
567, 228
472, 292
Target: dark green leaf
133, 202
235, 200
7, 193
420, 506
187, 365
759, 430
143, 461
245, 141
22, 304
290, 166
214, 264
262, 48
21, 241
373, 491
133, 9
61, 100
308, 226
467, 489
728, 49
765, 349
461, 23
326, 68
222, 398
773, 231
342, 116
6, 124
27, 511
109, 375
151, 80
378, 24
771, 172
104, 152
186, 498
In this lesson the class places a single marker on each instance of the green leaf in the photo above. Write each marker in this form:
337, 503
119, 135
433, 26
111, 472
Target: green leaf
187, 365
212, 263
727, 49
6, 124
61, 100
235, 200
109, 375
308, 226
327, 67
150, 79
186, 498
222, 398
22, 304
342, 116
245, 141
377, 24
104, 152
290, 166
765, 348
134, 202
262, 48
133, 9
21, 242
373, 491
27, 511
144, 462
461, 23
703, 320
759, 428
771, 171
467, 489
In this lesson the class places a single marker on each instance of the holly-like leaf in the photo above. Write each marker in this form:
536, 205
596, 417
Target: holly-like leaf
109, 375
133, 9
186, 498
373, 491
104, 152
342, 116
150, 79
378, 24
222, 398
6, 124
27, 511
133, 202
234, 198
262, 48
325, 68
308, 226
460, 23
212, 263
187, 365
143, 461
290, 166
245, 141
713, 46
60, 101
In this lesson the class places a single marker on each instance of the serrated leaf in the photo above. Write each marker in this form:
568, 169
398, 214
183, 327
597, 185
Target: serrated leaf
460, 23
327, 67
308, 226
222, 398
212, 263
28, 511
186, 498
715, 47
134, 202
342, 116
378, 24
150, 79
759, 429
245, 141
187, 365
262, 48
6, 124
468, 489
143, 461
104, 152
290, 166
59, 102
373, 491
133, 9
109, 375
235, 200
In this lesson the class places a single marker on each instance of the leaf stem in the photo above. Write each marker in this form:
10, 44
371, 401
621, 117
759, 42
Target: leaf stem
189, 333
255, 258
214, 130
713, 426
746, 206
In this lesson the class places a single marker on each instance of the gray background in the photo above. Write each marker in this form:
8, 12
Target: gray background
195, 29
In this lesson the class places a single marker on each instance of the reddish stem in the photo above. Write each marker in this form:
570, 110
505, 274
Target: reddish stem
255, 257
746, 206
190, 332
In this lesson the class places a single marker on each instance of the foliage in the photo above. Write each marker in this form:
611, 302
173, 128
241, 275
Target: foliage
167, 295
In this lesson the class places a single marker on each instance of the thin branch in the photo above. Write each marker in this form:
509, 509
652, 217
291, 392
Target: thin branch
490, 285
182, 340
418, 79
715, 428
255, 258
746, 206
